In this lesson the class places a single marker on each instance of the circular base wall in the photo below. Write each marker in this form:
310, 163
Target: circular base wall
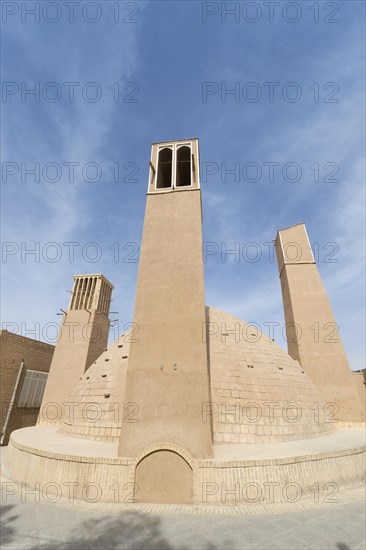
91, 471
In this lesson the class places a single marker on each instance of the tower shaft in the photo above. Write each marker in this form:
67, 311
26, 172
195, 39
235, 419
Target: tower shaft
167, 375
312, 333
83, 337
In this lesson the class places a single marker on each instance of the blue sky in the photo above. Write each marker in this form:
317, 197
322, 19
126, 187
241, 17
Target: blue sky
163, 58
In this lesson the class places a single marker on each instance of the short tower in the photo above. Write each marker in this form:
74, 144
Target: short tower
83, 337
312, 333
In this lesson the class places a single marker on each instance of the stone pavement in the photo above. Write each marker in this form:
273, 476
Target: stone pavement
35, 525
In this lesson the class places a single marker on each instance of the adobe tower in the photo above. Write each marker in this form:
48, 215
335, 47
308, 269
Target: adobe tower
312, 333
167, 374
83, 337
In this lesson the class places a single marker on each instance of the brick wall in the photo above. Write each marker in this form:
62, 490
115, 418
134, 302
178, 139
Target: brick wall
37, 356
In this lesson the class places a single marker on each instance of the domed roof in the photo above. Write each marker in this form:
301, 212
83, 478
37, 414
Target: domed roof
99, 396
259, 394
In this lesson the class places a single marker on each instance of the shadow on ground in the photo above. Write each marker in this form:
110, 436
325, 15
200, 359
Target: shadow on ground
7, 531
126, 531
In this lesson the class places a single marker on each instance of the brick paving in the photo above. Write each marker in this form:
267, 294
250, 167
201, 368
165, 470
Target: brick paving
27, 524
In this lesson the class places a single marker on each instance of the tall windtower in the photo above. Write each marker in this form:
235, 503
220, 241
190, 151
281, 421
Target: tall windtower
312, 333
167, 373
83, 337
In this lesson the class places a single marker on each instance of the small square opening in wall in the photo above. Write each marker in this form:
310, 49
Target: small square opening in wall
107, 395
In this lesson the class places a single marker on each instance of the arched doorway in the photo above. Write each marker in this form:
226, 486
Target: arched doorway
164, 477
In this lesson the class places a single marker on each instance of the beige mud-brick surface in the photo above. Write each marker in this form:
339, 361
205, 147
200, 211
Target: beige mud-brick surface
314, 338
31, 458
244, 369
168, 373
99, 405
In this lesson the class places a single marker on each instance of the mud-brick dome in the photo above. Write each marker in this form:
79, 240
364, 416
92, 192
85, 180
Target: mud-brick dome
259, 394
99, 396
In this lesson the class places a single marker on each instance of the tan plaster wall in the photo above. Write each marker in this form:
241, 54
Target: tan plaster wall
164, 477
83, 337
317, 345
167, 374
109, 479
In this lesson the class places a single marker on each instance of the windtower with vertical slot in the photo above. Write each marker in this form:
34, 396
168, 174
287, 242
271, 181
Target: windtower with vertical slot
83, 337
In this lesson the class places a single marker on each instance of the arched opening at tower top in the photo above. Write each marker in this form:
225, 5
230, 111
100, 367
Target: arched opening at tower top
164, 477
183, 175
165, 168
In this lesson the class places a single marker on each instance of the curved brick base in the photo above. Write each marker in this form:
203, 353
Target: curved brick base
94, 473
